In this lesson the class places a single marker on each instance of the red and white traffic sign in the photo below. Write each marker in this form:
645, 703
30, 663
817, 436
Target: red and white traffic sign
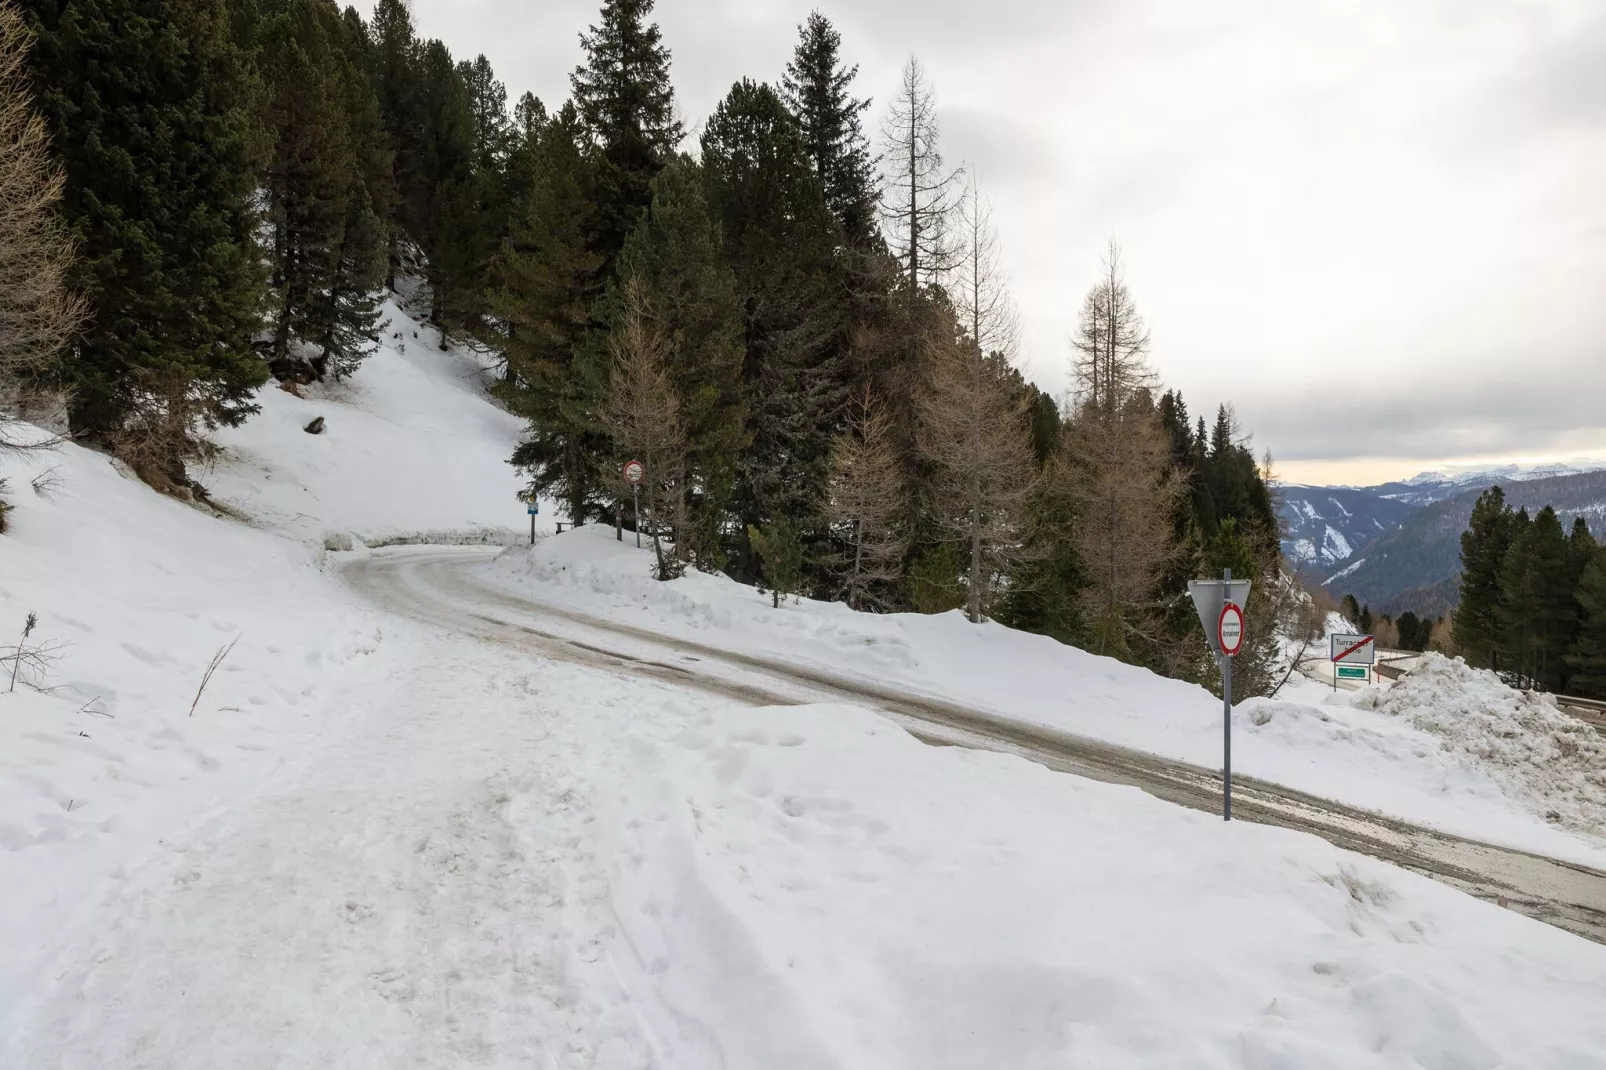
634, 472
1230, 629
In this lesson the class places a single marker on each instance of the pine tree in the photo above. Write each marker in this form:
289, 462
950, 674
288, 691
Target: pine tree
394, 70
326, 237
1587, 658
38, 312
1477, 627
441, 204
1047, 597
627, 106
1520, 600
980, 290
676, 253
545, 280
780, 548
779, 241
816, 88
152, 109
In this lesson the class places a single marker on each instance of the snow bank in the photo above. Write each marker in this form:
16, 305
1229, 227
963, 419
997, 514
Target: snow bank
140, 591
412, 451
1519, 737
1309, 738
811, 887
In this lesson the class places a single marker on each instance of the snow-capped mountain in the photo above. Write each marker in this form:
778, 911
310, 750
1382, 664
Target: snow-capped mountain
1327, 526
1425, 488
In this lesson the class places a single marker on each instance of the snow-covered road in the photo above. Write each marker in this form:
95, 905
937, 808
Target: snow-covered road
442, 586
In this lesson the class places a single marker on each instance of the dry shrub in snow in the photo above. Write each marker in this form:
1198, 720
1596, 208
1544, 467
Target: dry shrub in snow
1520, 738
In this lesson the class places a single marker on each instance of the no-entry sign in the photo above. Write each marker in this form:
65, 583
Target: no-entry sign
634, 472
1230, 629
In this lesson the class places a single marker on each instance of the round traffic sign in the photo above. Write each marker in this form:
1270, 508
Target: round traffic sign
634, 472
1230, 629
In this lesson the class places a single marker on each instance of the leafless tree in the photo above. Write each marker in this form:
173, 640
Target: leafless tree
920, 193
1111, 345
645, 421
38, 311
974, 436
980, 289
1116, 472
867, 505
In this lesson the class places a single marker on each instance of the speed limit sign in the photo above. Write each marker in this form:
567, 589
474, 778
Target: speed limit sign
634, 472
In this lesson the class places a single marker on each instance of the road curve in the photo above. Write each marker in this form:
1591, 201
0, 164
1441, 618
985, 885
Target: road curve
438, 585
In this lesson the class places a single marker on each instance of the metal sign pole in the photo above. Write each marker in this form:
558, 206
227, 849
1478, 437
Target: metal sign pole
1226, 719
635, 493
532, 529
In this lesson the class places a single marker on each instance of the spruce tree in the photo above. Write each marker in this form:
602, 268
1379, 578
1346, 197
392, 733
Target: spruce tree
544, 282
779, 242
676, 254
1587, 658
816, 88
326, 238
627, 105
1520, 599
441, 202
152, 108
394, 70
1477, 627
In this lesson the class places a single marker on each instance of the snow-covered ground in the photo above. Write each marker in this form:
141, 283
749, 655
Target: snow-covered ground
1335, 745
375, 844
411, 451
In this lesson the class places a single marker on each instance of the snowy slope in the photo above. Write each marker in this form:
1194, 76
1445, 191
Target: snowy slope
411, 449
1311, 738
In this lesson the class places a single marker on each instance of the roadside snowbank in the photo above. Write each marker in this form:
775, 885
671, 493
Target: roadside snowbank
1519, 737
141, 591
412, 450
1310, 738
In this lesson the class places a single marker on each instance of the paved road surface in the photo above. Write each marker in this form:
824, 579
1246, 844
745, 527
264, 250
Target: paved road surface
438, 585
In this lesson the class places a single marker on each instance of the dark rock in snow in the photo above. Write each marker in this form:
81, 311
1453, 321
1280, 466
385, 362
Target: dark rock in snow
315, 427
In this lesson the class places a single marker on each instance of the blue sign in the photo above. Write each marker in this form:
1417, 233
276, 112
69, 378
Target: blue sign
532, 507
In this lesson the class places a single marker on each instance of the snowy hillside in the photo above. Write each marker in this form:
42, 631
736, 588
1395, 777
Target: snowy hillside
377, 842
411, 450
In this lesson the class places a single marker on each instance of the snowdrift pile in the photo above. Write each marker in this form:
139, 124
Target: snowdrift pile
1519, 737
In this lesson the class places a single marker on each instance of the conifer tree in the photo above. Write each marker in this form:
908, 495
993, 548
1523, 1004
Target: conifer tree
441, 204
1587, 658
627, 106
395, 68
816, 88
326, 240
544, 281
980, 291
1478, 621
676, 253
152, 109
779, 241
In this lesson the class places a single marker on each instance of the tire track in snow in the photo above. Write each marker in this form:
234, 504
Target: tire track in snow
434, 585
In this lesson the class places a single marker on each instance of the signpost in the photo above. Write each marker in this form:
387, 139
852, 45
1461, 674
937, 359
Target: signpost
532, 505
634, 472
1353, 657
1219, 604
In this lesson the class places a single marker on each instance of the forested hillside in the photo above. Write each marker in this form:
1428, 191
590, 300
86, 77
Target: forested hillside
1414, 567
796, 321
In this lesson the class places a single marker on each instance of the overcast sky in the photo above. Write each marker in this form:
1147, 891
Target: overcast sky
1379, 229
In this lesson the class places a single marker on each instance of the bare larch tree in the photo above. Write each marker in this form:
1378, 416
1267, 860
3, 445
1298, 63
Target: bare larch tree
920, 193
645, 422
980, 288
974, 436
1112, 344
867, 505
38, 310
1116, 468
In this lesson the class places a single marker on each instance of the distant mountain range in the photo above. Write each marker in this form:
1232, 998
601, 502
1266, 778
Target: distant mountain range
1397, 546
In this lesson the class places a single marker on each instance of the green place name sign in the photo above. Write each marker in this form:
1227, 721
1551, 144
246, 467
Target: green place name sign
1351, 672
